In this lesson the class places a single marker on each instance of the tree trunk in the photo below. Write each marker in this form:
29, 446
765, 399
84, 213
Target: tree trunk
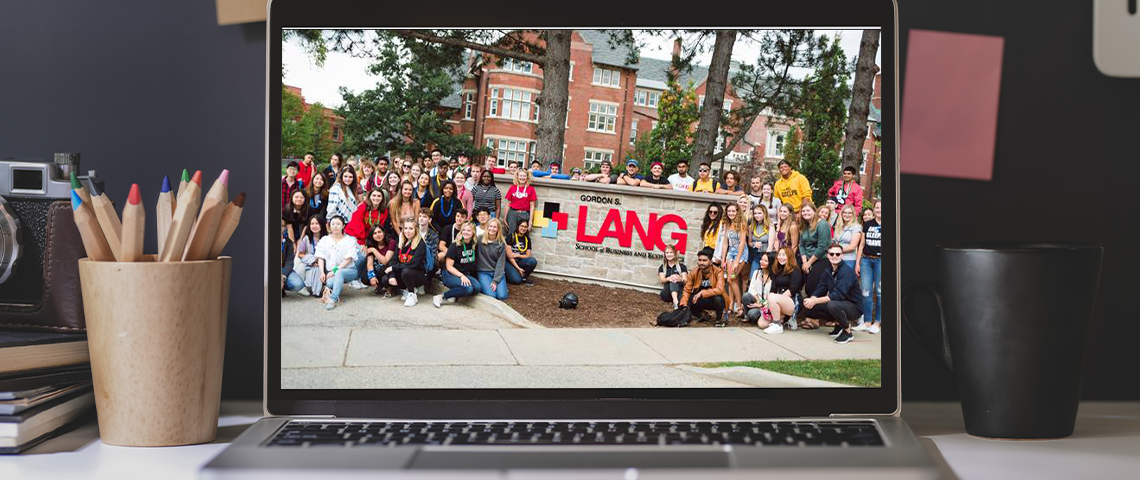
709, 124
555, 96
865, 69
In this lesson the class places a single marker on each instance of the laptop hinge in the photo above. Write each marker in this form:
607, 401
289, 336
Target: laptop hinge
837, 415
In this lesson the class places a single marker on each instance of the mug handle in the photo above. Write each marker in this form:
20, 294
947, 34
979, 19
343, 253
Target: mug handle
938, 344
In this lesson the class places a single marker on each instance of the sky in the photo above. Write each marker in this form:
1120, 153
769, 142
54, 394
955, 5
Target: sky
322, 84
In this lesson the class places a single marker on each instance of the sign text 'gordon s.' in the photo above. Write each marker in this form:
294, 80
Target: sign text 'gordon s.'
620, 227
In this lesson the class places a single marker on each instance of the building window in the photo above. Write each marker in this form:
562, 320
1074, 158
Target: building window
513, 104
510, 151
594, 158
654, 126
646, 98
520, 66
606, 77
468, 106
336, 133
776, 144
571, 71
726, 106
863, 166
533, 150
602, 117
633, 132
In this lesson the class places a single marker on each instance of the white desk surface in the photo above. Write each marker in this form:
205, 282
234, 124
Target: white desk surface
1106, 445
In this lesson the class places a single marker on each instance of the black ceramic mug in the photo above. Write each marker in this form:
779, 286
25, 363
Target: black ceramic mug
1013, 326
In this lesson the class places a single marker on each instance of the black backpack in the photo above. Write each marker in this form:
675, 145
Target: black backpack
676, 318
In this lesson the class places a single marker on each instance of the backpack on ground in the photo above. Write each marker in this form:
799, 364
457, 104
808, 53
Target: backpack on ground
676, 318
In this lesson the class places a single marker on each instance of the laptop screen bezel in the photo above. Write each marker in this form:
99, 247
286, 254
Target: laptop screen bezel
585, 403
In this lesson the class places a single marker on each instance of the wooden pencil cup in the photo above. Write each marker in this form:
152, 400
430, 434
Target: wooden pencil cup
157, 334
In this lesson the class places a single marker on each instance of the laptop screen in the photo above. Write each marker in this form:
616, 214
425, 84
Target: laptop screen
581, 209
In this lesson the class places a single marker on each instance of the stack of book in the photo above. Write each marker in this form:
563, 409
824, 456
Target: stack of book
45, 387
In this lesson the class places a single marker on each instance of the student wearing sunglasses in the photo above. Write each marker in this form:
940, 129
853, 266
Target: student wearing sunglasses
838, 296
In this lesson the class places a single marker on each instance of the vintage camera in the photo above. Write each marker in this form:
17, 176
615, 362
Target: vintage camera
39, 243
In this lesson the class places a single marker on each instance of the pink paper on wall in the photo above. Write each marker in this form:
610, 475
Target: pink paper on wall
950, 105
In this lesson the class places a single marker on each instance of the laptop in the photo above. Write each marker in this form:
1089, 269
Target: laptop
452, 366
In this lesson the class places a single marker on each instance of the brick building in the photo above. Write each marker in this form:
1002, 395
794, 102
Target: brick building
336, 122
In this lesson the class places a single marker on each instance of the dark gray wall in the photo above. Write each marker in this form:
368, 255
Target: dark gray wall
144, 89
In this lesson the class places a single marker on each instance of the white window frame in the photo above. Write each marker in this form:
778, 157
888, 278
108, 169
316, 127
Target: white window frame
468, 105
517, 66
604, 114
775, 144
593, 157
646, 98
508, 149
633, 131
571, 75
493, 110
601, 74
509, 103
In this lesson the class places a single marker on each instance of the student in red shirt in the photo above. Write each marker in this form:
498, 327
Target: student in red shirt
521, 198
307, 168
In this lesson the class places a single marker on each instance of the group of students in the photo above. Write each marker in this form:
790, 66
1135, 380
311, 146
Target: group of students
785, 261
390, 231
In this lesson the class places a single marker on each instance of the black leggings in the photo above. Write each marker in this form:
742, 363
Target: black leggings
815, 275
714, 303
407, 278
670, 287
841, 311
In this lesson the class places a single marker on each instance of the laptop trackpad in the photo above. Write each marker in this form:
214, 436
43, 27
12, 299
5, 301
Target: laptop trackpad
491, 460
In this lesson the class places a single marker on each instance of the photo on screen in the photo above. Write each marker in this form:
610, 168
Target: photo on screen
580, 209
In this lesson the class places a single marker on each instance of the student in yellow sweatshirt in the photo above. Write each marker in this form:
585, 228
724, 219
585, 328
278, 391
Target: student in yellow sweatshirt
792, 188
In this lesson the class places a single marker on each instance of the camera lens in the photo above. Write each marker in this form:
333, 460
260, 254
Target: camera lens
10, 241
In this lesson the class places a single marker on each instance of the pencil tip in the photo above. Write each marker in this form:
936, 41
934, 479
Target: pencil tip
185, 176
224, 178
134, 197
197, 178
240, 200
165, 184
75, 185
75, 201
96, 189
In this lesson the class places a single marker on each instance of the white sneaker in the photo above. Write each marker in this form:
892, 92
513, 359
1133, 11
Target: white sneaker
862, 327
437, 300
357, 284
305, 292
874, 328
403, 294
411, 300
774, 329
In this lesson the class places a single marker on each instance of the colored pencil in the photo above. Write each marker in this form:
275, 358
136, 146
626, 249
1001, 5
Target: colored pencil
78, 187
164, 212
182, 184
108, 220
206, 228
134, 226
230, 218
189, 199
93, 241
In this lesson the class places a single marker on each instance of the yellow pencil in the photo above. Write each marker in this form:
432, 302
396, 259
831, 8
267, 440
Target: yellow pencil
189, 200
108, 220
206, 228
164, 212
230, 218
134, 227
93, 241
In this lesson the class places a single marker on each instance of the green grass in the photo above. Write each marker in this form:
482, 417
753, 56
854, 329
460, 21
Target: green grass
862, 373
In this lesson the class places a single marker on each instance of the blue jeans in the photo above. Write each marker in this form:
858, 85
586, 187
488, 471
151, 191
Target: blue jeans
336, 282
850, 263
528, 265
754, 260
294, 282
361, 259
871, 277
456, 285
486, 279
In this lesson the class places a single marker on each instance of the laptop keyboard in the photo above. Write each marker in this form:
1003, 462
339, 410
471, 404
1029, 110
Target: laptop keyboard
395, 434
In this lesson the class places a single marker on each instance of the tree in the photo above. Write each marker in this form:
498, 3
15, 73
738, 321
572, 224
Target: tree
672, 139
861, 99
824, 115
401, 113
304, 130
711, 111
